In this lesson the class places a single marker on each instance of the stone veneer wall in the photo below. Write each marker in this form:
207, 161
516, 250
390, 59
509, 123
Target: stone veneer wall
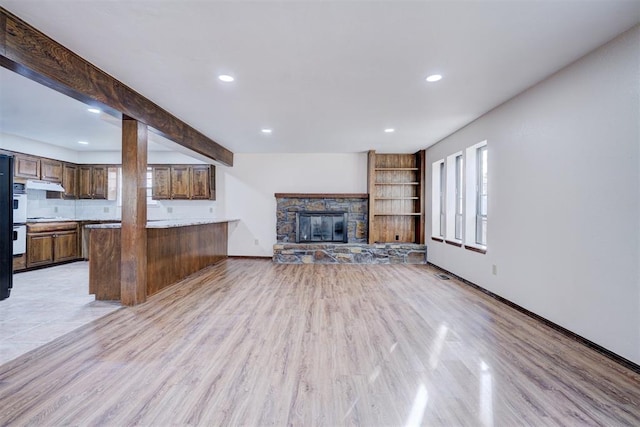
355, 205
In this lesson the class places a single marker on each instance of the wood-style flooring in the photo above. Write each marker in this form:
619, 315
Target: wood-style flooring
249, 342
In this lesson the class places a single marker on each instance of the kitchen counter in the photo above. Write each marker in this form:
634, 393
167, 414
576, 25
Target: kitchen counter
175, 250
170, 223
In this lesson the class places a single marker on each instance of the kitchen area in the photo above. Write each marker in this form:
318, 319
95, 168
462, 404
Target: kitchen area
66, 177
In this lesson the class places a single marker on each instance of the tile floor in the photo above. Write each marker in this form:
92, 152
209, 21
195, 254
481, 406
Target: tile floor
46, 304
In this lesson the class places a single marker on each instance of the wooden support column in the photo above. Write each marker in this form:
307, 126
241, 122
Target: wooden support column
133, 288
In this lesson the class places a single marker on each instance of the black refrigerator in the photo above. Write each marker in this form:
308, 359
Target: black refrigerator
6, 225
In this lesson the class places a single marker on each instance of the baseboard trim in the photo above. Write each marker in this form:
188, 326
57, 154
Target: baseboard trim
569, 334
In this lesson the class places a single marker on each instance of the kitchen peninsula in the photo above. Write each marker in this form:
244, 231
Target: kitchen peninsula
175, 249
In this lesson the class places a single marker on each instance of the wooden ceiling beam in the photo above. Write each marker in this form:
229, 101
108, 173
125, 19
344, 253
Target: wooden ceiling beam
36, 56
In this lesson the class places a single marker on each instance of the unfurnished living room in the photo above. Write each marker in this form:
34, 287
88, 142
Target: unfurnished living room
320, 213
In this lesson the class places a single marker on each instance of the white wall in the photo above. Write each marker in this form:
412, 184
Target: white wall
248, 190
38, 148
564, 198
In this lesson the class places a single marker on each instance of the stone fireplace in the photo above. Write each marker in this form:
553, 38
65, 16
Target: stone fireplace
333, 229
352, 208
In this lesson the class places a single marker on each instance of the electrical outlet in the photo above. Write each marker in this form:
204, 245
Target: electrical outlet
169, 209
105, 210
210, 210
494, 270
397, 237
55, 209
256, 242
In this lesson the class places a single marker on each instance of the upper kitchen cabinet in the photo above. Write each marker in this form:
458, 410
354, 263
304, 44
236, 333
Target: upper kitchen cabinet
32, 167
183, 182
70, 181
51, 170
97, 182
180, 182
202, 178
26, 167
161, 179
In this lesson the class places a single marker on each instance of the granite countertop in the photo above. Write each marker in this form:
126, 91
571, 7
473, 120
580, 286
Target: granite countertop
64, 219
170, 223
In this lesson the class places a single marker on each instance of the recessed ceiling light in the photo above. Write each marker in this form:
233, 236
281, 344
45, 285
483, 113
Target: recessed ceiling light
389, 130
266, 130
93, 110
83, 142
434, 78
225, 78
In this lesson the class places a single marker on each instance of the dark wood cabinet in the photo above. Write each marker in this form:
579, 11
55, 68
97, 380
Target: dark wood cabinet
180, 182
39, 249
183, 182
51, 170
161, 183
26, 167
70, 181
50, 243
200, 183
94, 182
65, 246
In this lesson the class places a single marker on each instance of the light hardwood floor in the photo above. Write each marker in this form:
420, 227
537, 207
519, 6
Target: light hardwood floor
248, 342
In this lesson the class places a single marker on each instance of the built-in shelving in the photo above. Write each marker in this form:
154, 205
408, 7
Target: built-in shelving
396, 205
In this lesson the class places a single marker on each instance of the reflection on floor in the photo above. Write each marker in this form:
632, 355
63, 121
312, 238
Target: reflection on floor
46, 304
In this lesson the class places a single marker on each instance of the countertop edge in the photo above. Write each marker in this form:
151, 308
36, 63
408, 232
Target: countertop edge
168, 223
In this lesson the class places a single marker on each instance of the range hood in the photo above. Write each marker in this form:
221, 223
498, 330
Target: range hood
44, 185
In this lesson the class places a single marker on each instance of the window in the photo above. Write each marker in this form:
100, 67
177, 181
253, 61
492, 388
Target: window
443, 205
149, 185
481, 198
454, 198
438, 206
459, 196
476, 190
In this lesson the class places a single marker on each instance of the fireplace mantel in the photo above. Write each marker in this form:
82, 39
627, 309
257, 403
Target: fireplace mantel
321, 195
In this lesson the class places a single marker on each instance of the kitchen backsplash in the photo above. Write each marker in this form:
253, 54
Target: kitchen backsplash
39, 206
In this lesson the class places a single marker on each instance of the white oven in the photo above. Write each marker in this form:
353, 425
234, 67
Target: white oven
19, 239
19, 208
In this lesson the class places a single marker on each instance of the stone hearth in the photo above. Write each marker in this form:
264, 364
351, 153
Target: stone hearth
349, 253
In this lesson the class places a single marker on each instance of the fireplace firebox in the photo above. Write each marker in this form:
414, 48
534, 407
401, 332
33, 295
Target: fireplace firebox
325, 226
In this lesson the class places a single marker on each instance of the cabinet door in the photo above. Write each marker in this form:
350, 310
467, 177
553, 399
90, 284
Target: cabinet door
65, 246
26, 167
200, 183
180, 184
39, 249
161, 183
84, 182
51, 170
70, 181
99, 183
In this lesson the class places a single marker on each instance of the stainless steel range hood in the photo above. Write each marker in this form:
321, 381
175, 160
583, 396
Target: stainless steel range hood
44, 185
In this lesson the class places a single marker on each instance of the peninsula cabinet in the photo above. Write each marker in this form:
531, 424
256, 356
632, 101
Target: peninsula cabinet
183, 182
50, 243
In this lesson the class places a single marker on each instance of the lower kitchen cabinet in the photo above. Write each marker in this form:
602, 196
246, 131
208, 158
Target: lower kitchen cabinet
50, 243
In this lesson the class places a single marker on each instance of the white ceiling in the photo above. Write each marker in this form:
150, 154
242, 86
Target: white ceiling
326, 76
